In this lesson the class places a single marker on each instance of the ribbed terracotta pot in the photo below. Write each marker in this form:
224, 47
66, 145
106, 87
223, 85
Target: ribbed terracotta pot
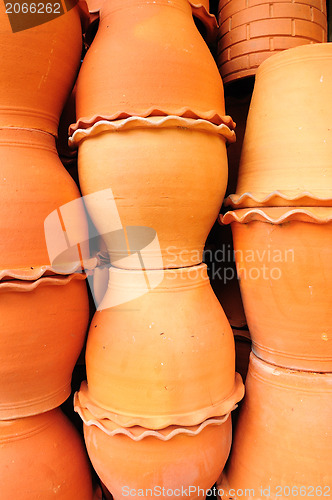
287, 145
38, 66
152, 62
164, 174
151, 367
43, 457
34, 184
43, 326
252, 31
282, 443
284, 263
167, 461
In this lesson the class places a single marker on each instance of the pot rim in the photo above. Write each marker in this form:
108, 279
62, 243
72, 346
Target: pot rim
304, 198
38, 422
185, 113
278, 215
303, 53
137, 433
156, 422
303, 381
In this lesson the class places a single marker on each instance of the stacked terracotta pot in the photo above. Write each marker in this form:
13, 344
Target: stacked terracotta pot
151, 133
44, 315
250, 31
282, 230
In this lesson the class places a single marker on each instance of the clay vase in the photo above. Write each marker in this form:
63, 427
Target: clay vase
285, 157
40, 346
173, 458
43, 457
38, 67
150, 367
251, 32
152, 62
284, 263
283, 411
37, 221
164, 174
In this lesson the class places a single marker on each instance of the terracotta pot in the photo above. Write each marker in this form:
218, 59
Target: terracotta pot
289, 87
284, 262
33, 185
150, 41
38, 67
151, 367
186, 188
251, 32
172, 458
43, 457
283, 411
40, 346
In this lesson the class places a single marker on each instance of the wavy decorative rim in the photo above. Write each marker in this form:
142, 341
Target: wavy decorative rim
138, 433
184, 112
279, 215
156, 422
135, 122
240, 201
29, 286
209, 20
35, 272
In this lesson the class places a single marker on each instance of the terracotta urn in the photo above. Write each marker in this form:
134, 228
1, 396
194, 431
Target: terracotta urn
282, 443
285, 158
147, 365
166, 462
284, 262
43, 325
43, 457
153, 61
37, 219
252, 31
38, 64
153, 178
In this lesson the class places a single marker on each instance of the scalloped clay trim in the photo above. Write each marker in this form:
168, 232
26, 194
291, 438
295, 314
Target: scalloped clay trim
152, 123
279, 215
210, 116
29, 286
305, 198
35, 272
162, 421
137, 433
209, 20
